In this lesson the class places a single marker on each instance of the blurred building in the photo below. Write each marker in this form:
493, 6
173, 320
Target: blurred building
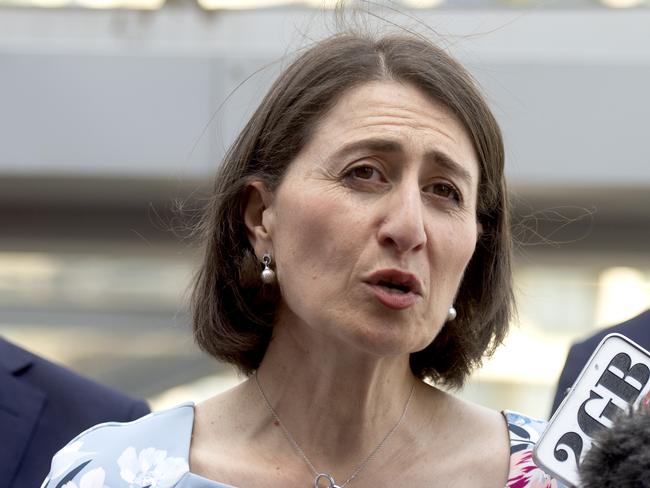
113, 118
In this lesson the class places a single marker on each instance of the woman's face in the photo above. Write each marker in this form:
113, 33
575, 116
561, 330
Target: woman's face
375, 221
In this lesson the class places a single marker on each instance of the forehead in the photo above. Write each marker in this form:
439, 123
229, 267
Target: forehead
395, 111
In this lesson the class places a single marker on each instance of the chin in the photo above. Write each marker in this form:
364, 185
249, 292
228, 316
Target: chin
388, 341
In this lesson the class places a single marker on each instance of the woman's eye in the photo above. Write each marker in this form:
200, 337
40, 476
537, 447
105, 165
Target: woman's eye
364, 173
445, 190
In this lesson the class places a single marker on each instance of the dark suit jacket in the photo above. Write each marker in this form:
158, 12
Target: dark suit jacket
42, 407
637, 329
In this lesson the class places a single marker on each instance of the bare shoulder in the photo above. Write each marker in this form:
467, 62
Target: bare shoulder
479, 423
486, 426
220, 416
475, 441
223, 438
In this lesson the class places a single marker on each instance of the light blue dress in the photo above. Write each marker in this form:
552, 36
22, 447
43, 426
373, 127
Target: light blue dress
153, 452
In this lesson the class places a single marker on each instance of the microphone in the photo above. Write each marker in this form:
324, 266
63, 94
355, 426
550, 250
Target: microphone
606, 412
620, 456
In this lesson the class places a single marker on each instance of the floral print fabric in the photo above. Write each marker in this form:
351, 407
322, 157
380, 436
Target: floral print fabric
524, 434
149, 468
153, 452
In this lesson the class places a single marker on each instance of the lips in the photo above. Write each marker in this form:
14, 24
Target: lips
395, 289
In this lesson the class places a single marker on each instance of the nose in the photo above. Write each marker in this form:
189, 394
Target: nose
403, 225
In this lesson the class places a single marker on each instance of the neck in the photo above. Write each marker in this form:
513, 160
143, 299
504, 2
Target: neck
337, 411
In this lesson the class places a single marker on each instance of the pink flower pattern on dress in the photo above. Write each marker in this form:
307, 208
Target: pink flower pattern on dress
524, 434
525, 474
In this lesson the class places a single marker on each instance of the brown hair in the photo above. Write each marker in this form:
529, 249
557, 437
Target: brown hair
233, 313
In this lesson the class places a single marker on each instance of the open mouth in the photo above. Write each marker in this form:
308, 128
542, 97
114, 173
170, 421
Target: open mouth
394, 287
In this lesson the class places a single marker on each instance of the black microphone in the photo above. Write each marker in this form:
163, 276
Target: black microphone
620, 456
599, 437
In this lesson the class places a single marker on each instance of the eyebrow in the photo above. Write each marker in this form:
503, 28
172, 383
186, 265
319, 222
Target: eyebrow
389, 146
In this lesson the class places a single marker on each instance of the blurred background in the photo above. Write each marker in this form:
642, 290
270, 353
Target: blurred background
114, 112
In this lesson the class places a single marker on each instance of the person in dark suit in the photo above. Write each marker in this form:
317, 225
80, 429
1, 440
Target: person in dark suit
42, 407
637, 329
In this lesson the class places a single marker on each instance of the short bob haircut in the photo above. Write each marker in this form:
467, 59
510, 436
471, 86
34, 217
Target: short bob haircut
233, 313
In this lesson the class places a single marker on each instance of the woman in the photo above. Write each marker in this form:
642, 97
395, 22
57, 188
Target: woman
357, 243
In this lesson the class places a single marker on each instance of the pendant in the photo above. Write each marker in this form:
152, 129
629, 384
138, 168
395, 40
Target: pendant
328, 479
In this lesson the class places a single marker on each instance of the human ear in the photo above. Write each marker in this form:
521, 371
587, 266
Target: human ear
258, 216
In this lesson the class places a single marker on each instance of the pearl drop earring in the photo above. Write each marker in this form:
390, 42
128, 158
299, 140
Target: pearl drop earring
268, 275
451, 314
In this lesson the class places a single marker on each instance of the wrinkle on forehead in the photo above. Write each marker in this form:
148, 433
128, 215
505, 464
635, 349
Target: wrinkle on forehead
396, 111
399, 122
356, 113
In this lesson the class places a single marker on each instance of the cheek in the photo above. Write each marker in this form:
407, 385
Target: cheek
313, 238
464, 247
451, 258
463, 250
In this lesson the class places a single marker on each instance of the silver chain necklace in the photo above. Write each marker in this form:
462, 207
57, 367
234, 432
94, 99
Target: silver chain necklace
325, 476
